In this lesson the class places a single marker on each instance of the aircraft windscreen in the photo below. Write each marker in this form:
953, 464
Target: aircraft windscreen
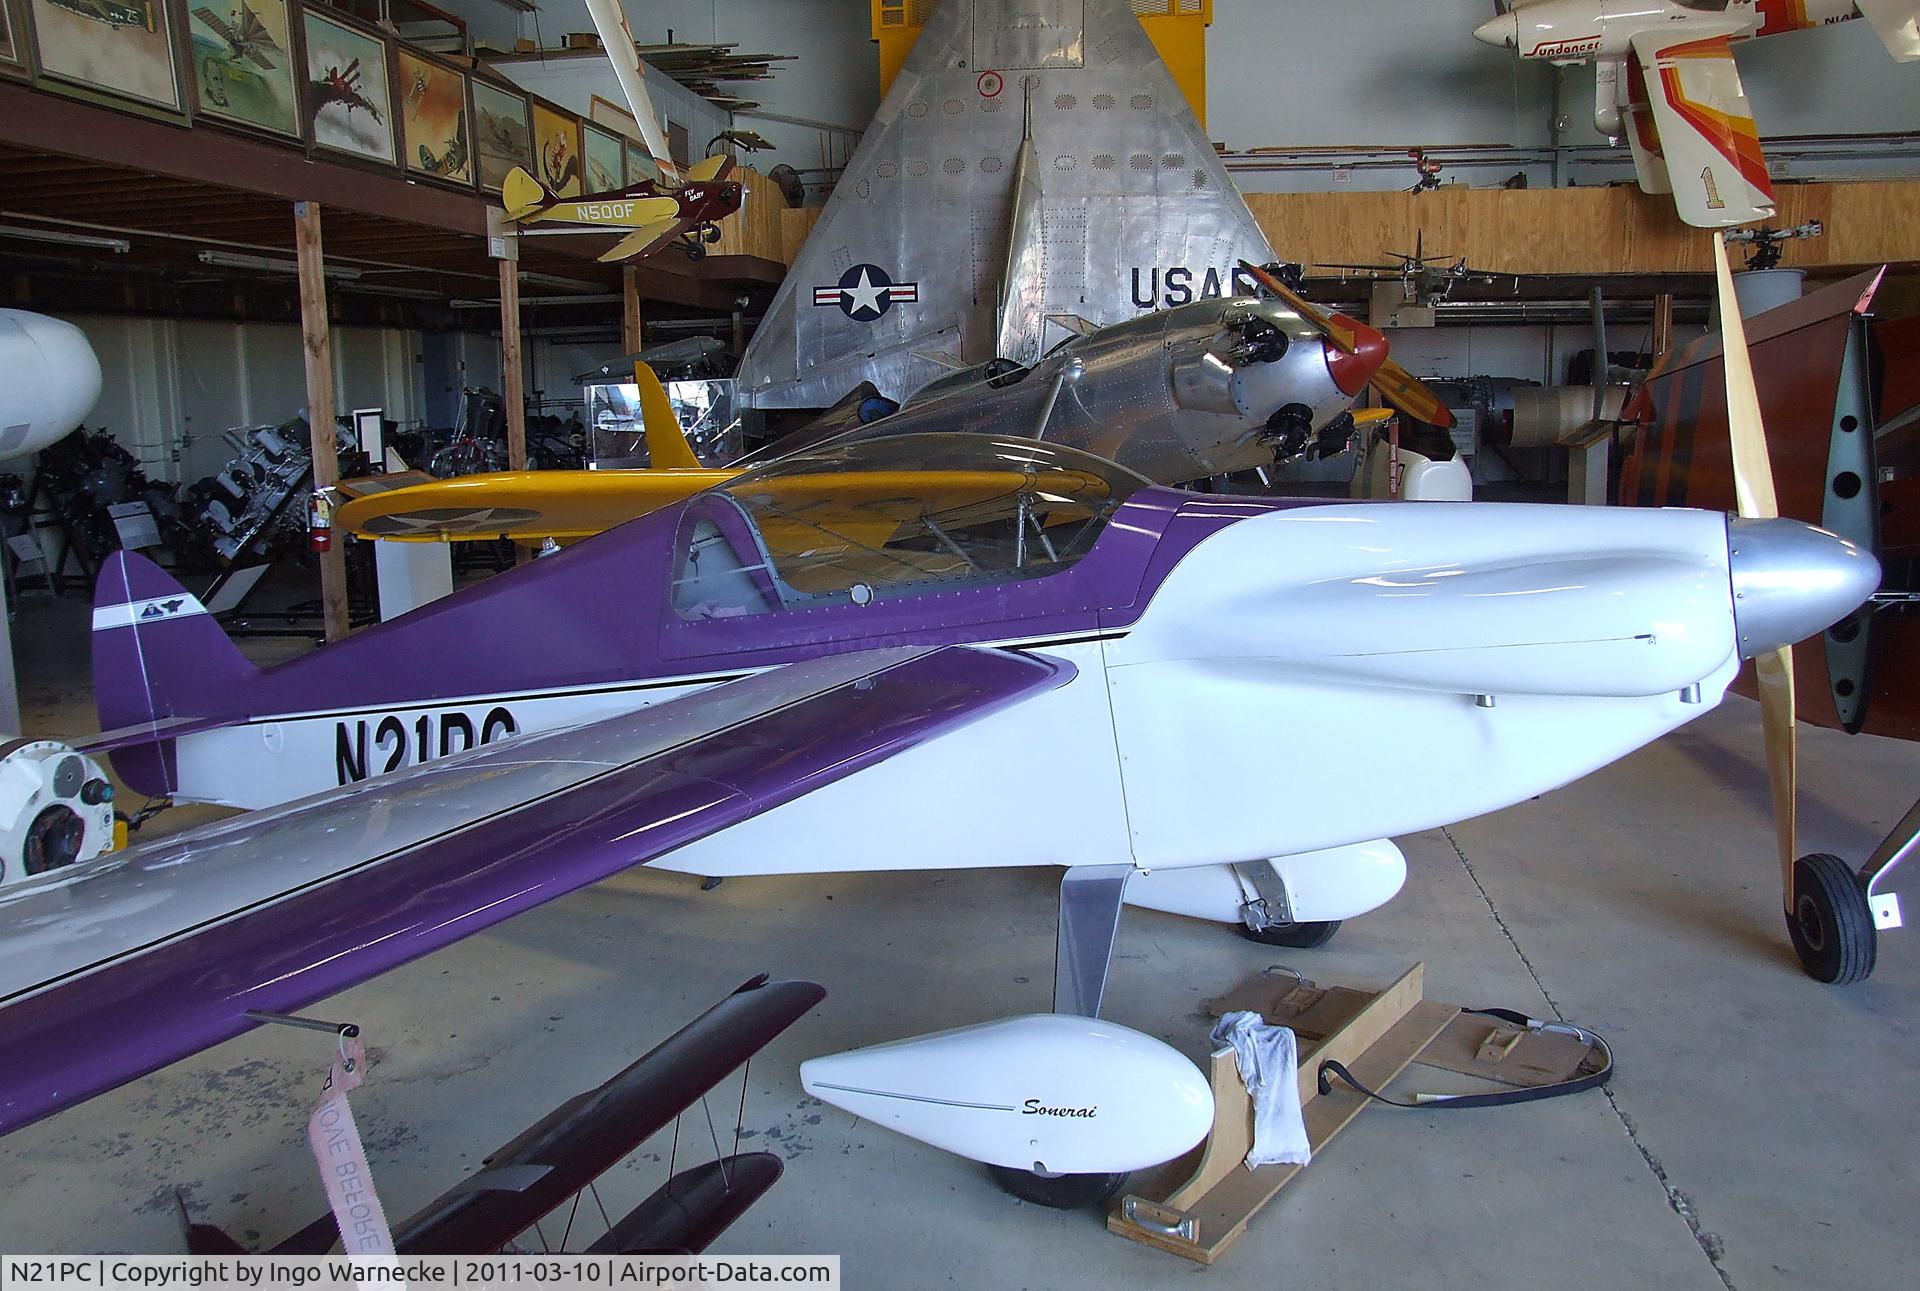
869, 520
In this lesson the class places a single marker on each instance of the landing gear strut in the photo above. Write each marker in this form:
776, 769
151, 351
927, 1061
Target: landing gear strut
1091, 899
1835, 916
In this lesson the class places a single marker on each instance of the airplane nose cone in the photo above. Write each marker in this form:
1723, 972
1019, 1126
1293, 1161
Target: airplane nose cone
1351, 372
1500, 32
1791, 580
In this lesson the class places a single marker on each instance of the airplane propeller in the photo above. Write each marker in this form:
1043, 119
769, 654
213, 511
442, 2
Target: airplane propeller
1754, 499
1391, 382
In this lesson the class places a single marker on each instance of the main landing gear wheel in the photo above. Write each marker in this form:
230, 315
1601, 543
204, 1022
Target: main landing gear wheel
1297, 936
1059, 1191
1830, 921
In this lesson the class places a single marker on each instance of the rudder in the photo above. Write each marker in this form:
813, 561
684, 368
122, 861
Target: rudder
157, 654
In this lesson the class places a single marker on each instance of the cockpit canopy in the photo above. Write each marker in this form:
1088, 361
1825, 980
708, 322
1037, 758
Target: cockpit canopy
875, 519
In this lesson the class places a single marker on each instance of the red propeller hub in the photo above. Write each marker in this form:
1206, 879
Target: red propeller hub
1351, 372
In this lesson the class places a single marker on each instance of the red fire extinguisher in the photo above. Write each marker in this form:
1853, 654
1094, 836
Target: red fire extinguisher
320, 519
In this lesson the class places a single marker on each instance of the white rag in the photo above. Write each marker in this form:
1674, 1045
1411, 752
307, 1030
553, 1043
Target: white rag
1268, 1059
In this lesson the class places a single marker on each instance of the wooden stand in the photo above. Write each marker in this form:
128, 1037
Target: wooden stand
1375, 1035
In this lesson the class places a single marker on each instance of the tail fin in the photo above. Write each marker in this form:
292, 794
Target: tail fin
667, 446
157, 654
522, 194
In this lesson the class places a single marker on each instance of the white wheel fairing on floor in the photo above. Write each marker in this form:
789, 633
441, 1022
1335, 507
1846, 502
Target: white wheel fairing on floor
1337, 883
1048, 1091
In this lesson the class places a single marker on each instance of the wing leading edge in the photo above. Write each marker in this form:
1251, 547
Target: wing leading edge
128, 997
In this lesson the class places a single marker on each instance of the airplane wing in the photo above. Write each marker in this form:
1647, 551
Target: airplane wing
1706, 129
117, 967
527, 506
718, 166
1897, 22
531, 506
648, 238
1643, 134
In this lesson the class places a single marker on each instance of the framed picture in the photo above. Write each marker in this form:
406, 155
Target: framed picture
502, 133
641, 165
434, 126
604, 157
556, 150
13, 49
243, 62
117, 51
349, 93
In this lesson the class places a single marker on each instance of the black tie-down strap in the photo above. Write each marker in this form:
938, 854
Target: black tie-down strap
1593, 1072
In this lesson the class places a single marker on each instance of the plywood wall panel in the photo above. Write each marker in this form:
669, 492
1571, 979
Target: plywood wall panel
1580, 230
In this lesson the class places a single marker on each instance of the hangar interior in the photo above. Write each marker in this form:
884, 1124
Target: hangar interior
1261, 510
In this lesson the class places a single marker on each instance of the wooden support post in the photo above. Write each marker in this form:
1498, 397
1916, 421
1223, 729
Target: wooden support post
512, 393
1662, 324
739, 334
316, 335
632, 338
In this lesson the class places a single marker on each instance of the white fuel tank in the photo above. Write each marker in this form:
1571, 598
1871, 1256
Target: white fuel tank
1051, 1092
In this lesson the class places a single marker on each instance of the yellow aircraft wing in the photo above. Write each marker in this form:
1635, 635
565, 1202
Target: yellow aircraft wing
798, 512
647, 238
706, 168
526, 506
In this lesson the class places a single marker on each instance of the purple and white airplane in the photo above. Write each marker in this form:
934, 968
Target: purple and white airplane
918, 652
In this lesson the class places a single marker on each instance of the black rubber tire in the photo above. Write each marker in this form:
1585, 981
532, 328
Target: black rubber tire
1830, 923
1059, 1191
1296, 936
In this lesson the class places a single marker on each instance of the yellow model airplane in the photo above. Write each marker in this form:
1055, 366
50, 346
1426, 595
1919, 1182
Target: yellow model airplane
657, 214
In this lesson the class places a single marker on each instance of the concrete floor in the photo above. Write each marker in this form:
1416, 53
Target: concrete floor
1760, 1131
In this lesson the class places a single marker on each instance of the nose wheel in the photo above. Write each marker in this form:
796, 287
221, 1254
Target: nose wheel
1830, 921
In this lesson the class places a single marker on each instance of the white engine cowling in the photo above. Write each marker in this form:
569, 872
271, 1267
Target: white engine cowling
1051, 1092
56, 809
1334, 883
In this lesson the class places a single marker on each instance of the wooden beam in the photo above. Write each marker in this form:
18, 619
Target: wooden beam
632, 330
510, 380
316, 335
50, 123
1662, 324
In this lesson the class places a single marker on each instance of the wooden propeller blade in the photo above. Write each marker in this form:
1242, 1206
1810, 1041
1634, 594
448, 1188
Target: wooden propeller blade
1342, 336
1752, 468
1754, 497
1774, 671
1410, 395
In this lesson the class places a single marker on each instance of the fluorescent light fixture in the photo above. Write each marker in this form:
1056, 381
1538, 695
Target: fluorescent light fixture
235, 260
569, 284
119, 246
399, 293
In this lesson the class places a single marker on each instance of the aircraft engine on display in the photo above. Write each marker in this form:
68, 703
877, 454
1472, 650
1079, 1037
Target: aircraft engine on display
56, 809
52, 381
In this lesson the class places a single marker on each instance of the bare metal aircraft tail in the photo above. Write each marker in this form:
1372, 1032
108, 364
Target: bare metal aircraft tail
957, 235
